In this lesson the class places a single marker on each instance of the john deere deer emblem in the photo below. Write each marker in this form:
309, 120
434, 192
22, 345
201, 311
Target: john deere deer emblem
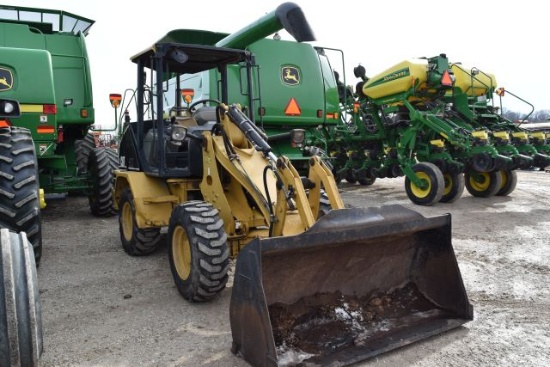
290, 75
6, 79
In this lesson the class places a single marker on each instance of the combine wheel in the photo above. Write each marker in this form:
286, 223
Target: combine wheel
367, 181
454, 187
198, 251
82, 150
350, 177
101, 165
135, 241
509, 182
435, 184
19, 200
483, 184
20, 312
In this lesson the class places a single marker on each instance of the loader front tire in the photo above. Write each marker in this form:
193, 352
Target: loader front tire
101, 165
435, 184
135, 241
19, 199
454, 187
198, 250
509, 182
21, 342
483, 184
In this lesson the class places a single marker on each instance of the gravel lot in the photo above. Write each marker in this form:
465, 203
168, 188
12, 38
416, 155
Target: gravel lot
101, 307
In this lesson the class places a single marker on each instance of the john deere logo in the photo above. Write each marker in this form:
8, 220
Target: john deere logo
6, 79
290, 75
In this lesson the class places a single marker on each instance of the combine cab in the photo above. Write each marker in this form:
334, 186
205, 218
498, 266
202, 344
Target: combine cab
330, 284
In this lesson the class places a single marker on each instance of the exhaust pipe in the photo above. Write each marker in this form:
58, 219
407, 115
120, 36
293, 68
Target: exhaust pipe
358, 283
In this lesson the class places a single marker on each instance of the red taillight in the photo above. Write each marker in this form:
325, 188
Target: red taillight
320, 113
83, 113
49, 109
4, 123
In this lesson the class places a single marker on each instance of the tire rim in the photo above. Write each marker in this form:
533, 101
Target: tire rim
181, 252
419, 192
127, 221
448, 184
504, 179
480, 181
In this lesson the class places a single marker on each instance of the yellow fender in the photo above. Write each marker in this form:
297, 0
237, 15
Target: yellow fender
152, 198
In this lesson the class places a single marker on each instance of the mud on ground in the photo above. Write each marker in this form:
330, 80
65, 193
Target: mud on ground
101, 307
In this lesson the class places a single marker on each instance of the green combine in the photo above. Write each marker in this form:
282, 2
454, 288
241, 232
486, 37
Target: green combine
44, 65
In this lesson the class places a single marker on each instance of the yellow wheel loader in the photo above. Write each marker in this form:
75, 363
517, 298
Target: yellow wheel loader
310, 285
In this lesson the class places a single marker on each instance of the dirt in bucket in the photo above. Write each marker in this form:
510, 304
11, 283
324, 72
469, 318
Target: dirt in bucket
323, 324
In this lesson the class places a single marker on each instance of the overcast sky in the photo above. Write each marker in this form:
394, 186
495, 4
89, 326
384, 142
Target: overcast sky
506, 38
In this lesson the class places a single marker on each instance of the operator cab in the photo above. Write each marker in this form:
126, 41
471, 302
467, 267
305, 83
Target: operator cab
167, 141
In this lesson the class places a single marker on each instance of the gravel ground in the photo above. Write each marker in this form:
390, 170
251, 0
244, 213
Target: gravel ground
101, 307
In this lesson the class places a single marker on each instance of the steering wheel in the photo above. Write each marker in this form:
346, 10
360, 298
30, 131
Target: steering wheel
203, 101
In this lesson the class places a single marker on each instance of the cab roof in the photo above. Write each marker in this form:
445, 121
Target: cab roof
198, 57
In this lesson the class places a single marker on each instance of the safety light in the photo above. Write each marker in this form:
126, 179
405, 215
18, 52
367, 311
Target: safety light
115, 99
500, 91
187, 95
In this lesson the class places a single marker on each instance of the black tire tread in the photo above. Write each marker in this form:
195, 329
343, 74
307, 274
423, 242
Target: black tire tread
82, 150
20, 310
19, 201
210, 253
101, 165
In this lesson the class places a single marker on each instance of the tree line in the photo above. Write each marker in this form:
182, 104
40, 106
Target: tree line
536, 116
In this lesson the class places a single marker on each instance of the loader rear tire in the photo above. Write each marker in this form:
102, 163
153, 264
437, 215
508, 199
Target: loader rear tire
101, 165
21, 342
82, 150
135, 241
433, 177
454, 187
509, 182
483, 184
198, 250
19, 200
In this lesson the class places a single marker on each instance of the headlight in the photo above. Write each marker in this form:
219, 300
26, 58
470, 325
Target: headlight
297, 137
9, 108
179, 133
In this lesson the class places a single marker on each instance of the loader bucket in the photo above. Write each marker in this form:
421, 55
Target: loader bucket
358, 283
